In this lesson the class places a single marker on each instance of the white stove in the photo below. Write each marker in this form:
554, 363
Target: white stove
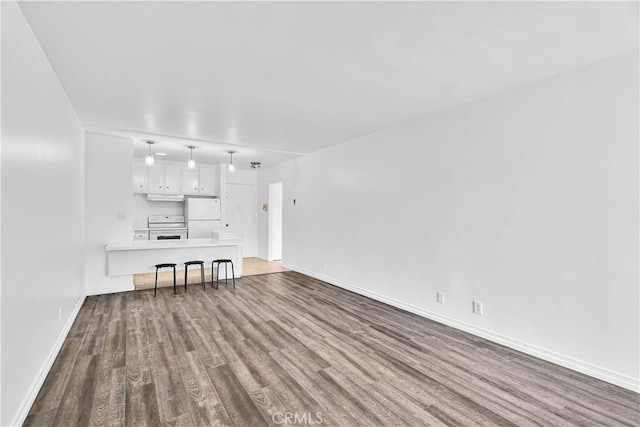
167, 227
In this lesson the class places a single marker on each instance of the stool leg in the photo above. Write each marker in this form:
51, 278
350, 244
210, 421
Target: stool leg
212, 276
186, 268
233, 275
175, 291
202, 276
217, 274
155, 289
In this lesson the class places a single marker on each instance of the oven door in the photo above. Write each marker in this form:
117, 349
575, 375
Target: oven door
167, 234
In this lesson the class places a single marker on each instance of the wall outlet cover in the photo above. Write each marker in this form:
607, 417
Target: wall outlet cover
477, 307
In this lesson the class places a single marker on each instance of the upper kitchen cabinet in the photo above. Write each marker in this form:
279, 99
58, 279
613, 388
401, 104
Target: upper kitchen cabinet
165, 178
190, 180
201, 180
208, 180
172, 178
175, 178
139, 176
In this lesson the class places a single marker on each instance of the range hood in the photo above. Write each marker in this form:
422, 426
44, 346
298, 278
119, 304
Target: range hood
165, 197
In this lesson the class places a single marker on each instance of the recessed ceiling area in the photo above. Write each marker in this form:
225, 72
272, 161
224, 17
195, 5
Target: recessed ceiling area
175, 149
296, 77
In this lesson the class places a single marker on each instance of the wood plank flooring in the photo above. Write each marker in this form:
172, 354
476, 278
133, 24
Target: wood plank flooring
285, 349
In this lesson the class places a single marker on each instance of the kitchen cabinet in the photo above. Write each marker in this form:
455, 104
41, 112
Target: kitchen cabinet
139, 176
201, 180
141, 234
190, 180
164, 178
174, 178
208, 180
155, 178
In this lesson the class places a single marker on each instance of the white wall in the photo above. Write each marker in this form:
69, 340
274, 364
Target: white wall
143, 208
109, 207
526, 201
42, 215
242, 176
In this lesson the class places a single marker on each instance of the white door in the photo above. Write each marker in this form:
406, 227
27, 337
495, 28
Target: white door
208, 179
241, 215
172, 178
189, 180
139, 176
275, 222
155, 183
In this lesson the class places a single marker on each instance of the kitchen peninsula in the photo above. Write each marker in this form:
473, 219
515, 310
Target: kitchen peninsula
141, 256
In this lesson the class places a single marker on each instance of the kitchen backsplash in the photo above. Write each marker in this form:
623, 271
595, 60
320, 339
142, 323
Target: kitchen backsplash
142, 208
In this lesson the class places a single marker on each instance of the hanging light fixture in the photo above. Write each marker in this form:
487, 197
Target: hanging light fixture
231, 167
191, 164
149, 160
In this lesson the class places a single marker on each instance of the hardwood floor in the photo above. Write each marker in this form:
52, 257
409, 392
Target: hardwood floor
285, 349
253, 266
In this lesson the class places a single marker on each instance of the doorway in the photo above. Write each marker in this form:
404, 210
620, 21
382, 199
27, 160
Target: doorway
241, 215
274, 252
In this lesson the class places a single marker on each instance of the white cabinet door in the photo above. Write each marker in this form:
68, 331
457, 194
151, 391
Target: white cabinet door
155, 183
172, 178
190, 180
208, 181
139, 176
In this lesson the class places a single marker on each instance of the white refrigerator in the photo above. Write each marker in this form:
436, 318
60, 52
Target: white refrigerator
202, 217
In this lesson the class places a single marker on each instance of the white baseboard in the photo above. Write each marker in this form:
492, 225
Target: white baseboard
111, 290
598, 372
27, 402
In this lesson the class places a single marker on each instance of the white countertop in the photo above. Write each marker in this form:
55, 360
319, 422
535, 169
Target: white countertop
169, 244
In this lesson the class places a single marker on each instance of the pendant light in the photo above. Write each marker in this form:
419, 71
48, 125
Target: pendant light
191, 164
149, 160
231, 167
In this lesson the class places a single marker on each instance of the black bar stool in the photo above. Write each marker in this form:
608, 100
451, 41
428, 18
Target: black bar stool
225, 262
186, 266
168, 265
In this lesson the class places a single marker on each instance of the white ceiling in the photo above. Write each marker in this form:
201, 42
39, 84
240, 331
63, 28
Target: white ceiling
295, 77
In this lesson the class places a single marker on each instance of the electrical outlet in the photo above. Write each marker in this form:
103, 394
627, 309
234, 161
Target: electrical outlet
477, 307
60, 312
322, 265
440, 297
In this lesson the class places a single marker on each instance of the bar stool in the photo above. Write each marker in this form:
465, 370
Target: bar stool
225, 262
168, 265
186, 266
